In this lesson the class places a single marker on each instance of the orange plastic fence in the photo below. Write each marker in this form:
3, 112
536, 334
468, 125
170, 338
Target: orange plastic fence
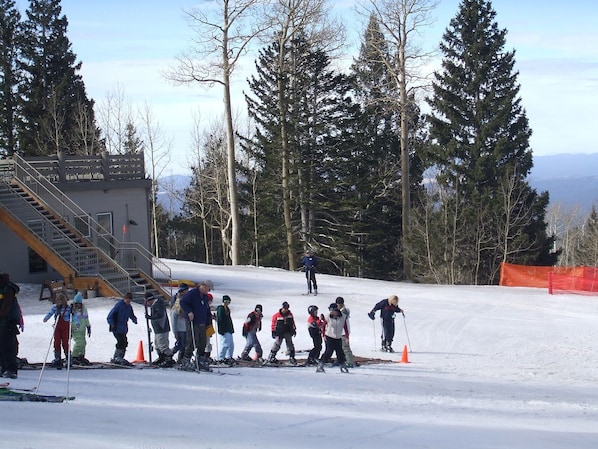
582, 280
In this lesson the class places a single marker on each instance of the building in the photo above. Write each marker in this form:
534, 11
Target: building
81, 219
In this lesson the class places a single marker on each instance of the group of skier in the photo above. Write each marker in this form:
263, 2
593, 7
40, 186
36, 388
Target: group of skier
191, 316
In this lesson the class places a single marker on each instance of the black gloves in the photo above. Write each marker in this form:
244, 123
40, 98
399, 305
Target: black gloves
273, 334
372, 315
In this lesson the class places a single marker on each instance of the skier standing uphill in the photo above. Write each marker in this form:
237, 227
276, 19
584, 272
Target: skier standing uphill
315, 327
310, 263
388, 309
79, 333
283, 328
118, 319
161, 325
251, 326
334, 334
195, 305
62, 314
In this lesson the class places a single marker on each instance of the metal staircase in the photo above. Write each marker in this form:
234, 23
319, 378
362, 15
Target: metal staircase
32, 207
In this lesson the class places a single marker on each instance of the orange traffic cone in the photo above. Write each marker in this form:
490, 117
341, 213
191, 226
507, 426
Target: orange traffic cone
405, 358
140, 357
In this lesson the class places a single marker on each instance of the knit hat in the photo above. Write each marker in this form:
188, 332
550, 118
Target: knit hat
78, 299
149, 296
258, 308
285, 305
340, 300
226, 298
333, 306
183, 287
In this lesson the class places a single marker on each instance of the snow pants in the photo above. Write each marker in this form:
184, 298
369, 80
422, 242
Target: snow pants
199, 332
288, 339
334, 345
8, 346
388, 331
316, 337
79, 341
227, 346
252, 343
310, 275
61, 336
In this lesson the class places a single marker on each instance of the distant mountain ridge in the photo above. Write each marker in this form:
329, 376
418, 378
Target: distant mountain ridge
570, 179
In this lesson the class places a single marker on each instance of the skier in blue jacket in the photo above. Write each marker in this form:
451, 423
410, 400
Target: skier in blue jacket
118, 319
195, 305
310, 263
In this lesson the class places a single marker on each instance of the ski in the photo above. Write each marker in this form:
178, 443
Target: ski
8, 394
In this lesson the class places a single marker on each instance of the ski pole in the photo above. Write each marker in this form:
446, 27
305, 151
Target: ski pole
68, 356
41, 373
194, 347
374, 324
406, 333
149, 333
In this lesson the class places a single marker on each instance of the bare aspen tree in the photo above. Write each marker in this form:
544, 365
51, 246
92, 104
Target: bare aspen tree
114, 114
402, 22
286, 19
224, 30
157, 151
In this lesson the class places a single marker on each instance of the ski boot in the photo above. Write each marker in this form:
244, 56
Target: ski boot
320, 368
344, 368
57, 362
292, 361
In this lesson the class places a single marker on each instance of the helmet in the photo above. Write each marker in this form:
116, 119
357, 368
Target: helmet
312, 310
333, 306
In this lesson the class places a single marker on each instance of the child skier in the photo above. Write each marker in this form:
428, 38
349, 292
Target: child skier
79, 333
334, 334
283, 329
62, 314
251, 326
315, 327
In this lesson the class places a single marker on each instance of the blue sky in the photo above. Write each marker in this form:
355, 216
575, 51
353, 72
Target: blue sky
128, 44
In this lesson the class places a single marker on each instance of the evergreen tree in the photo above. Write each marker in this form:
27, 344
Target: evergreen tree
586, 252
316, 103
482, 153
57, 115
9, 75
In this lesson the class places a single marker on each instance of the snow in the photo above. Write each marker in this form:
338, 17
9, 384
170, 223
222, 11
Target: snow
490, 367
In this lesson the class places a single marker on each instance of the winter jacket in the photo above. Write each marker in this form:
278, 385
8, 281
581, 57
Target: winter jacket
80, 313
63, 312
253, 323
283, 324
224, 321
119, 316
310, 262
159, 317
387, 311
195, 302
335, 325
347, 313
315, 326
178, 318
10, 312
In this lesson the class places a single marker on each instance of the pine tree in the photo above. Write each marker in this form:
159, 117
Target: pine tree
57, 115
9, 75
586, 252
316, 107
482, 152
